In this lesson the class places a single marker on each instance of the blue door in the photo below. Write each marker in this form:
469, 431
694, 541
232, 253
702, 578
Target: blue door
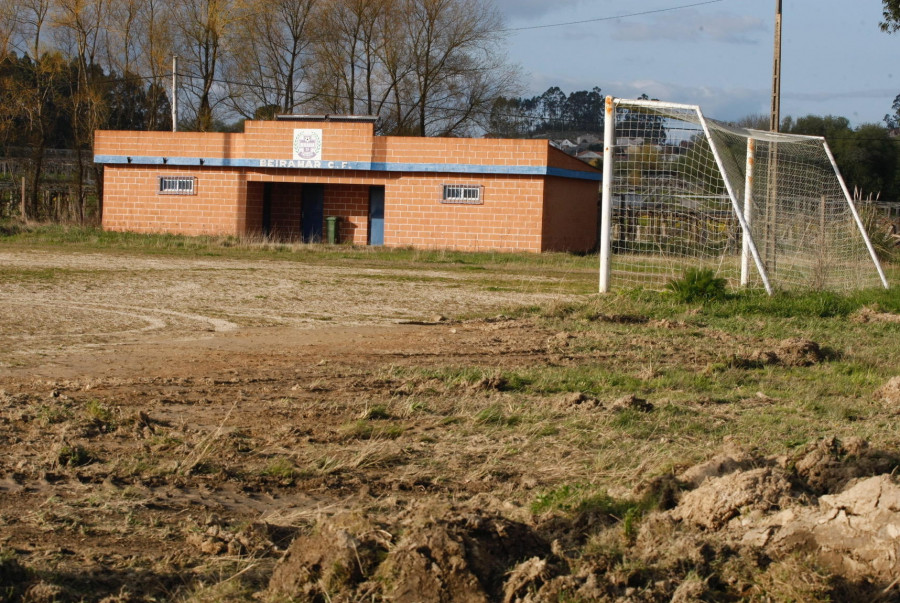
312, 212
376, 215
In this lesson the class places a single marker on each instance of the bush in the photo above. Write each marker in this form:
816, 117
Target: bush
698, 284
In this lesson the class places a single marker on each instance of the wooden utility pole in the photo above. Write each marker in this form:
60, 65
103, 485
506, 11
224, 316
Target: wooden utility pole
772, 169
776, 73
174, 93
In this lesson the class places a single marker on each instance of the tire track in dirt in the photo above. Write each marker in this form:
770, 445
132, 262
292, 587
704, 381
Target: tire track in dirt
155, 320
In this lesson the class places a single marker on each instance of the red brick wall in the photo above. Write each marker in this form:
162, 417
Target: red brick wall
131, 201
350, 202
509, 218
472, 151
168, 144
250, 212
341, 141
558, 159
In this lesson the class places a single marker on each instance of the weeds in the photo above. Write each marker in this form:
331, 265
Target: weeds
363, 429
99, 413
280, 469
585, 498
74, 456
51, 414
377, 413
698, 284
496, 415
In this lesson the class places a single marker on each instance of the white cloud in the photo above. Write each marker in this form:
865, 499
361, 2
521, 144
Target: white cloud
724, 104
691, 26
517, 11
877, 93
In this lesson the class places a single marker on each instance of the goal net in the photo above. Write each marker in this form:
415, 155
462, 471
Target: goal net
759, 208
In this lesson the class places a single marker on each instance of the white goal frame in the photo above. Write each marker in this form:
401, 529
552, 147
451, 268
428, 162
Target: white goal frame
782, 191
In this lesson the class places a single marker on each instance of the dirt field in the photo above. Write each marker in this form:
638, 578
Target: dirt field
222, 429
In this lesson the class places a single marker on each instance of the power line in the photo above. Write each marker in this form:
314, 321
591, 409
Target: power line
599, 19
526, 117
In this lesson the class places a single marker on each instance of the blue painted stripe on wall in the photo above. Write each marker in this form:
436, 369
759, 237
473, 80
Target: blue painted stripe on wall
564, 173
432, 168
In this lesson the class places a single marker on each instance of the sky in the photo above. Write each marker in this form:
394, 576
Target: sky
717, 54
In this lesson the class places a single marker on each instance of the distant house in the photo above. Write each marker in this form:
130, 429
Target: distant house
564, 145
589, 156
629, 142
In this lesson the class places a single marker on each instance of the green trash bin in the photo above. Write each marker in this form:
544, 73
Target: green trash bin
331, 229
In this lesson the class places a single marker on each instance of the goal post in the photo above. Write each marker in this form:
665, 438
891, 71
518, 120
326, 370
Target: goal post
761, 209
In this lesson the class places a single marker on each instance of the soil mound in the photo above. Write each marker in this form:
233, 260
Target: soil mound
577, 401
889, 393
631, 402
799, 352
853, 527
463, 557
442, 555
719, 499
717, 466
829, 465
855, 533
795, 351
868, 314
337, 558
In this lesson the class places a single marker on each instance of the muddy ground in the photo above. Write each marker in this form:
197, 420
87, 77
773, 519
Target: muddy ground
184, 429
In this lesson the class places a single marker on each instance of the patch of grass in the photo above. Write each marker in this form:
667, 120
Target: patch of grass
698, 284
363, 429
99, 412
279, 468
75, 456
810, 304
50, 414
377, 413
586, 498
545, 431
495, 414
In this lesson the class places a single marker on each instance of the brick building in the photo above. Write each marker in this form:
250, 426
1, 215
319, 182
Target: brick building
284, 178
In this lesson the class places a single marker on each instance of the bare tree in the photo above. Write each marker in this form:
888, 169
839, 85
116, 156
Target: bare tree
80, 27
339, 51
268, 75
31, 96
458, 65
157, 45
8, 25
203, 27
426, 67
123, 38
31, 19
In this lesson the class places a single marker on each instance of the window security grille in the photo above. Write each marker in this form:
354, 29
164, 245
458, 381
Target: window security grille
464, 194
177, 185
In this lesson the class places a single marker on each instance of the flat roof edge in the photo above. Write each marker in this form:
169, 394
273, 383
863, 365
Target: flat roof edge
337, 165
368, 119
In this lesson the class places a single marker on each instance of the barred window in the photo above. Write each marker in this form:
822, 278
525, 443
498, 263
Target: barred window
465, 194
177, 185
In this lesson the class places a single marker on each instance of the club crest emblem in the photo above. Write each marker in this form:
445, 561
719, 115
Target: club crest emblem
308, 144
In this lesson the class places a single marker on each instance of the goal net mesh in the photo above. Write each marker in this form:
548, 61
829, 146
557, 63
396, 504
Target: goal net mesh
674, 206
